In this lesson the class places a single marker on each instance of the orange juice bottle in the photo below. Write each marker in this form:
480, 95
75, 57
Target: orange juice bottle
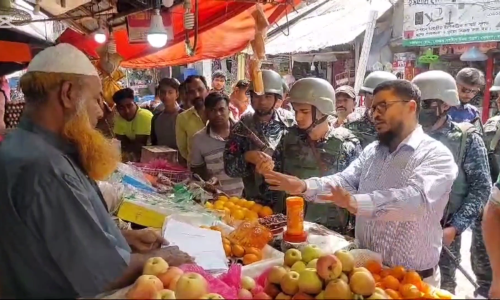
295, 220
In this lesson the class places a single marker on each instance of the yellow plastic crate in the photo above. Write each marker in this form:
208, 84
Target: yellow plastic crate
138, 214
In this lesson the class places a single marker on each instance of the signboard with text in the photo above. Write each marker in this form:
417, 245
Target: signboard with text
442, 22
138, 26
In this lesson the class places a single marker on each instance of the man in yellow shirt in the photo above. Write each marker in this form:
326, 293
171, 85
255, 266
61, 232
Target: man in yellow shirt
192, 120
132, 124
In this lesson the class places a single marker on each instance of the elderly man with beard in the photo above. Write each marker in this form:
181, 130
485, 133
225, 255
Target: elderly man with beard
471, 189
254, 138
398, 187
57, 239
192, 120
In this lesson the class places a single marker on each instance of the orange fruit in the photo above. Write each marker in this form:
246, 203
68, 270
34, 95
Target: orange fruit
225, 240
250, 259
228, 204
253, 250
376, 277
412, 277
265, 211
409, 291
241, 202
390, 282
227, 210
385, 272
238, 215
249, 204
256, 208
393, 294
233, 199
399, 272
251, 215
237, 250
424, 287
380, 285
227, 250
374, 266
209, 205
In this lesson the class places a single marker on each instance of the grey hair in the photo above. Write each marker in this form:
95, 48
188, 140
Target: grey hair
471, 77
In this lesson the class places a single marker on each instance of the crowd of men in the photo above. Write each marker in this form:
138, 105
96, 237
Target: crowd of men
406, 174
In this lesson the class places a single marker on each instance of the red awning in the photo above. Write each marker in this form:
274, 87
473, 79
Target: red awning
15, 52
225, 28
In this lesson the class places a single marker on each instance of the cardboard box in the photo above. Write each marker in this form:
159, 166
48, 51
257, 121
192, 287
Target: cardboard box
150, 153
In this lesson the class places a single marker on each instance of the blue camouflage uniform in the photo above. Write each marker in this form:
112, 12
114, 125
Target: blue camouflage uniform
470, 191
361, 125
479, 258
241, 140
334, 152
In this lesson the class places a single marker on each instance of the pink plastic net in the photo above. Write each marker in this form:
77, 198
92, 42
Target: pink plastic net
228, 284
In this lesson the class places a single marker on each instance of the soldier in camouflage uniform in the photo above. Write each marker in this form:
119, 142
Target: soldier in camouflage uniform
360, 121
315, 148
251, 144
479, 258
471, 189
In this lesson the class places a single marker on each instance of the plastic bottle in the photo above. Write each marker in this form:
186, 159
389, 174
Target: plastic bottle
295, 232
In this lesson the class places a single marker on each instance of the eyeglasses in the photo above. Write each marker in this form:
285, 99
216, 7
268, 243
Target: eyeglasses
469, 91
382, 107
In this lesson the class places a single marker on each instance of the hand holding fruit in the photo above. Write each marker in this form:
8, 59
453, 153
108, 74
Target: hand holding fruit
144, 240
282, 182
173, 256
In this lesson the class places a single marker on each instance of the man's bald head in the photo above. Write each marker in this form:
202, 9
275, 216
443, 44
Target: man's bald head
64, 79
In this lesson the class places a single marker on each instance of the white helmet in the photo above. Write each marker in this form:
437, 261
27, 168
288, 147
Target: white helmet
437, 85
375, 78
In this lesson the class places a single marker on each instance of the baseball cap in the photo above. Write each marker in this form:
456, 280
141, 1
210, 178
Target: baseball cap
346, 89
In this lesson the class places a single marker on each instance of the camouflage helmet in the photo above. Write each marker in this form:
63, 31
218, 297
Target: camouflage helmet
437, 85
496, 84
273, 84
316, 92
375, 78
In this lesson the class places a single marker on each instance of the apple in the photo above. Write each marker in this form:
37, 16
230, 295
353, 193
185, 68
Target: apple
272, 290
337, 289
312, 264
247, 283
276, 274
344, 277
292, 256
150, 278
329, 267
262, 296
167, 294
283, 296
244, 294
346, 259
311, 252
320, 296
155, 266
168, 276
302, 296
145, 289
309, 282
298, 266
191, 286
212, 296
290, 283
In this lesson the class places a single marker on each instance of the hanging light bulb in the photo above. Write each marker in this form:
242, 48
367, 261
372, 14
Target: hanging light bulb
157, 34
473, 54
100, 36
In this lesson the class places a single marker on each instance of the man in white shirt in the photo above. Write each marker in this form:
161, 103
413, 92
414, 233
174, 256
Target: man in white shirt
398, 187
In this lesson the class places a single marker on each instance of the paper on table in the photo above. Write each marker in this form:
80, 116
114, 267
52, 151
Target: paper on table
204, 245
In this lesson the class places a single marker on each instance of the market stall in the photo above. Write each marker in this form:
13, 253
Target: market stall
249, 251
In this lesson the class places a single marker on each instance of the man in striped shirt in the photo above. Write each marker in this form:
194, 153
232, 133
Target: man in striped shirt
207, 145
398, 188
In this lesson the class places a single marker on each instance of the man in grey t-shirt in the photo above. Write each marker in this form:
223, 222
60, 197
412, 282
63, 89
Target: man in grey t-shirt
207, 146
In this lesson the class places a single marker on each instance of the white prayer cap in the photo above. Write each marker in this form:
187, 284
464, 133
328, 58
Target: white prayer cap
62, 58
